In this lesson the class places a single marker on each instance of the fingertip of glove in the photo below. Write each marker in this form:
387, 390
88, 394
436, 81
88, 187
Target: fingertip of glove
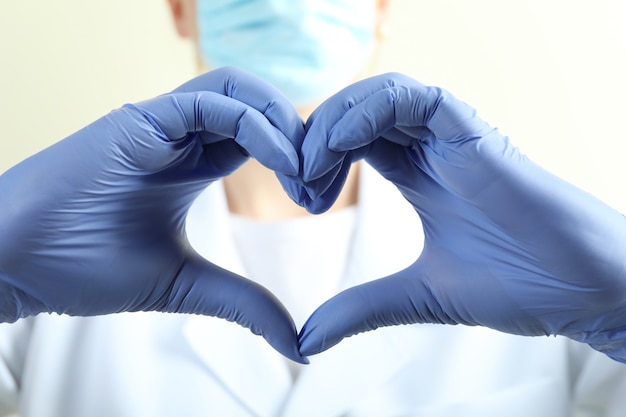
312, 337
306, 349
301, 359
318, 205
288, 346
309, 344
292, 165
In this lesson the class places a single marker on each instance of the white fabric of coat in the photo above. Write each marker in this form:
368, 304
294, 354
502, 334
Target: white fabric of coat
158, 365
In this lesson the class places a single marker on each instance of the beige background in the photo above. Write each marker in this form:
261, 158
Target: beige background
549, 73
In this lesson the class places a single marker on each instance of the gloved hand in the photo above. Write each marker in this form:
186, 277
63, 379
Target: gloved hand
507, 244
95, 223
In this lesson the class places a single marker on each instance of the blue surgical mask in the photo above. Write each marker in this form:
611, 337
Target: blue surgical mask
309, 49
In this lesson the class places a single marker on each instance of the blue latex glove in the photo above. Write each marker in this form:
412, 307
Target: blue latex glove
507, 244
95, 223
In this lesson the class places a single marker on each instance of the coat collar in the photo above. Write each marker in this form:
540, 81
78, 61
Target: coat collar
336, 379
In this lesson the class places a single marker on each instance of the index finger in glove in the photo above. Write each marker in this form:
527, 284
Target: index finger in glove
318, 158
254, 92
178, 114
419, 110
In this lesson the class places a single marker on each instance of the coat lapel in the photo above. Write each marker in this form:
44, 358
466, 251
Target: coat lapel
244, 364
342, 376
230, 351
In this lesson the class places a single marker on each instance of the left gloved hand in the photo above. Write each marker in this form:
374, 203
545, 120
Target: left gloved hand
95, 223
507, 244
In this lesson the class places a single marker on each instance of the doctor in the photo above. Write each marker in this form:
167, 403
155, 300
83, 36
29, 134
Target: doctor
159, 364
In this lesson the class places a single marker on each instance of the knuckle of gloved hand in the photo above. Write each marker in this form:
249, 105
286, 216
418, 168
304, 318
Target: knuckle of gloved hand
142, 143
394, 78
278, 115
230, 74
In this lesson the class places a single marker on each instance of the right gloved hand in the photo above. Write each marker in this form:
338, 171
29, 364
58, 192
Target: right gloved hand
508, 245
95, 223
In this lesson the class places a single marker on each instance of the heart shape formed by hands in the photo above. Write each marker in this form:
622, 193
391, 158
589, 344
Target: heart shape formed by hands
95, 224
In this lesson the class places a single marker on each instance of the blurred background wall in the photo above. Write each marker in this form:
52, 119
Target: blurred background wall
550, 74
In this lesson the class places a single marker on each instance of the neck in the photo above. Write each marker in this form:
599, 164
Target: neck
253, 191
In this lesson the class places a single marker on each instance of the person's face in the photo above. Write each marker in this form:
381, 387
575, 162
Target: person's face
308, 49
186, 21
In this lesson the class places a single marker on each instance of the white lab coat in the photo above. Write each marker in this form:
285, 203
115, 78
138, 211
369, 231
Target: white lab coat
158, 365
